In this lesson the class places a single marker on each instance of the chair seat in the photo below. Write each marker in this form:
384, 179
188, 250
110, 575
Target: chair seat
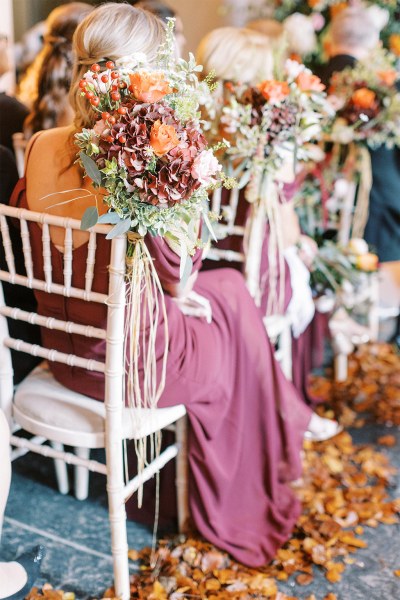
44, 407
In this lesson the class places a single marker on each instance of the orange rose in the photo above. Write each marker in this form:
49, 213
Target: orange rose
313, 3
363, 98
367, 262
387, 77
336, 9
308, 82
163, 138
149, 87
394, 43
274, 91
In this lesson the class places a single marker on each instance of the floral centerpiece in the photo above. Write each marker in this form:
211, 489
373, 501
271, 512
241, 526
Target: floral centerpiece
367, 102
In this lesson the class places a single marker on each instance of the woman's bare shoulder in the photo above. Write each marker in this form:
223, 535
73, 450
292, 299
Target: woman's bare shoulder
49, 137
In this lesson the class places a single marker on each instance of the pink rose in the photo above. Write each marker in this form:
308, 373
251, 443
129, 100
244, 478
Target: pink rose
318, 21
204, 167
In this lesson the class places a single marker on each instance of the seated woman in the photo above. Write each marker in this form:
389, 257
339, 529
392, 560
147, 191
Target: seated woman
46, 85
246, 421
246, 56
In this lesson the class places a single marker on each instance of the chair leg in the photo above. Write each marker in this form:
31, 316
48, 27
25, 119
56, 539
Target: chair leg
182, 483
340, 367
61, 470
81, 475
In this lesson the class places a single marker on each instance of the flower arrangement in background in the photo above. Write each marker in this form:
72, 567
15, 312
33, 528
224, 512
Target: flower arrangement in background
270, 123
367, 102
343, 270
307, 22
147, 150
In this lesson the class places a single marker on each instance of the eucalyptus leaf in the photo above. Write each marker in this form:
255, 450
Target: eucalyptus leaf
121, 228
110, 217
186, 267
90, 218
209, 226
91, 168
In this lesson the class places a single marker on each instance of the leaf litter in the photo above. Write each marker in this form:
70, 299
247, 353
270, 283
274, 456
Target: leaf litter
344, 490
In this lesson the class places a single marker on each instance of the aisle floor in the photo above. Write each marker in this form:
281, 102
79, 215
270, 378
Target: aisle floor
76, 535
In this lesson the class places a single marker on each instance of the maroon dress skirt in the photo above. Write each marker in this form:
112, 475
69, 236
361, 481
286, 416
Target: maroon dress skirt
246, 420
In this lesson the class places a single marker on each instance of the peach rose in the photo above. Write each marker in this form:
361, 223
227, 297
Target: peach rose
274, 91
163, 138
364, 98
336, 9
388, 77
148, 86
367, 262
308, 82
394, 43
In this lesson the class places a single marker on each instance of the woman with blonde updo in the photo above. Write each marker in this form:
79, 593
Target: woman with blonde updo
246, 421
45, 87
247, 56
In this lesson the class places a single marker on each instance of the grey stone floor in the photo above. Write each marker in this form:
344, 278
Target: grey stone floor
76, 535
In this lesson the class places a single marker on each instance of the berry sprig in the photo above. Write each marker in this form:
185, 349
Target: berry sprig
115, 87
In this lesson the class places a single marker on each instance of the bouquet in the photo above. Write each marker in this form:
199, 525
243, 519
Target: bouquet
148, 157
367, 102
147, 150
269, 127
271, 122
343, 270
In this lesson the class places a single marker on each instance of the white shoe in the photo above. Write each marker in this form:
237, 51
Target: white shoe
320, 429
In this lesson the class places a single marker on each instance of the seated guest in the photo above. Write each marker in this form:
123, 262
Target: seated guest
12, 112
246, 421
46, 85
246, 56
164, 12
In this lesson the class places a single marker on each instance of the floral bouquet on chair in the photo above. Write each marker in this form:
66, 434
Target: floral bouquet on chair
272, 121
147, 149
147, 156
367, 102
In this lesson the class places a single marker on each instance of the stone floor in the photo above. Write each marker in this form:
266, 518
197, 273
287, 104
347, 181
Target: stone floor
76, 535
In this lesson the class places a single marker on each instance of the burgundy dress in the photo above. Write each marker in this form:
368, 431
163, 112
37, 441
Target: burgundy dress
246, 420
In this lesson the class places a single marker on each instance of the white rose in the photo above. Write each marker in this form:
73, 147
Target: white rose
358, 246
300, 34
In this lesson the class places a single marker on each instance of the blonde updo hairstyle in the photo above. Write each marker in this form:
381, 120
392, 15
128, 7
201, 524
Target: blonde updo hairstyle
236, 54
110, 32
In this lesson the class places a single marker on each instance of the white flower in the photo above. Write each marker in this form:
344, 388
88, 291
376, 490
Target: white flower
358, 246
99, 85
133, 61
378, 15
300, 34
341, 187
204, 167
293, 68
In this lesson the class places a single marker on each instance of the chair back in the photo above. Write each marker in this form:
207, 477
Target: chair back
114, 298
20, 144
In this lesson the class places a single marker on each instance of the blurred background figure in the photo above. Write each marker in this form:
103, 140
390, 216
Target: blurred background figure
46, 85
26, 50
164, 12
12, 112
354, 34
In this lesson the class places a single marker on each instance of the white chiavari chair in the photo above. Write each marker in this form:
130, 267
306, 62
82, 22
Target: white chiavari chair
278, 326
20, 144
49, 411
